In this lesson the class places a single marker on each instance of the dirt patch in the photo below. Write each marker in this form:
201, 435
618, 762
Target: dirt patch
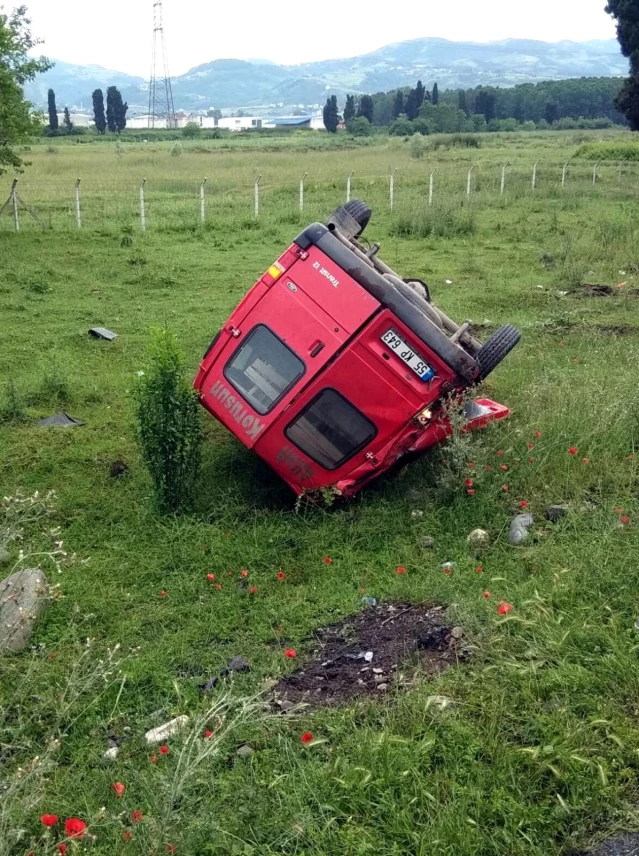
616, 330
587, 289
364, 654
624, 845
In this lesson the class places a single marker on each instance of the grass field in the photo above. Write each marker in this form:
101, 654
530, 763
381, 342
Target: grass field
539, 753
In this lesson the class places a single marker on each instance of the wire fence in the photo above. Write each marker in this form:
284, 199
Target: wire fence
168, 204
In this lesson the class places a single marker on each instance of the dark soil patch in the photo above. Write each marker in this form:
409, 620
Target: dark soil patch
587, 289
342, 668
623, 845
616, 330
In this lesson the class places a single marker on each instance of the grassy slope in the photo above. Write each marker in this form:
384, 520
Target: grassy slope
541, 749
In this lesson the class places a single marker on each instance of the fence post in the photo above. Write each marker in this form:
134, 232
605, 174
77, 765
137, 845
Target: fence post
534, 175
503, 179
257, 195
142, 211
563, 174
14, 205
302, 191
202, 205
431, 187
594, 172
348, 186
468, 180
392, 188
78, 217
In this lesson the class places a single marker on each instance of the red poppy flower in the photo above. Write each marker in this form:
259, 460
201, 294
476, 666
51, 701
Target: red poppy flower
488, 468
586, 460
62, 848
208, 734
572, 450
479, 569
471, 464
253, 590
218, 586
530, 445
523, 504
504, 608
470, 491
505, 488
468, 482
244, 573
211, 577
170, 848
164, 749
401, 570
154, 759
624, 520
74, 827
327, 560
306, 738
119, 788
504, 467
136, 815
162, 593
487, 594
537, 433
49, 819
291, 653
500, 453
281, 575
127, 835
448, 570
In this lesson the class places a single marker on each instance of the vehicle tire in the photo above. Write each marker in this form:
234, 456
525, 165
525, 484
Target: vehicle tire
355, 209
419, 302
496, 348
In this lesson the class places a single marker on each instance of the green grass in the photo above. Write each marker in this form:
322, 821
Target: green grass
540, 752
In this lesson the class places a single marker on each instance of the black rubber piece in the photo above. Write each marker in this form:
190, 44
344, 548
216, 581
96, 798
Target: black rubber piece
496, 348
355, 208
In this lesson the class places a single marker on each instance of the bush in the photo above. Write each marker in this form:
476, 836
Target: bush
461, 141
418, 146
12, 409
168, 425
176, 150
191, 130
401, 128
359, 127
443, 220
613, 150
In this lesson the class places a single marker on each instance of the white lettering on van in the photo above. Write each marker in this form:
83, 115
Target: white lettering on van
250, 423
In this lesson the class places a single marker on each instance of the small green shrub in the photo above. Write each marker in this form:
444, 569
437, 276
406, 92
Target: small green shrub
168, 425
54, 387
609, 150
441, 220
176, 150
12, 409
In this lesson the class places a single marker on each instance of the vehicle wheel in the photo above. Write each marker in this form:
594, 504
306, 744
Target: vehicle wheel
419, 302
496, 348
355, 210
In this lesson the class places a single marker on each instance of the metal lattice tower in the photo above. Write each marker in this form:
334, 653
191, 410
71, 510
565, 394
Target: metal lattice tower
161, 107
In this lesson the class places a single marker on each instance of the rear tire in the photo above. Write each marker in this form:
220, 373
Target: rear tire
496, 348
355, 209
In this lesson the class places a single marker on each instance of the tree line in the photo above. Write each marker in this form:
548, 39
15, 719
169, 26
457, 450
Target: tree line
113, 118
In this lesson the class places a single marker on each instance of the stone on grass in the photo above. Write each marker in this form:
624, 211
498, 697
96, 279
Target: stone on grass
238, 664
112, 753
478, 539
427, 542
245, 751
417, 514
555, 512
519, 526
441, 702
23, 597
163, 732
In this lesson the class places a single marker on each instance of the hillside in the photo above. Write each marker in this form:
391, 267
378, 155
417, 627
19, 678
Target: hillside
236, 83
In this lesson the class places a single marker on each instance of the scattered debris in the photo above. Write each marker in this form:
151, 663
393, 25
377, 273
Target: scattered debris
245, 751
417, 514
589, 290
427, 542
478, 540
555, 512
209, 685
440, 701
622, 845
102, 333
237, 664
112, 753
118, 468
367, 600
23, 598
163, 732
447, 566
59, 420
519, 526
385, 635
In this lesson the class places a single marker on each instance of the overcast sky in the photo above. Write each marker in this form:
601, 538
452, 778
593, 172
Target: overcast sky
117, 34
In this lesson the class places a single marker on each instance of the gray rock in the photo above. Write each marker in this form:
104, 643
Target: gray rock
427, 542
623, 845
519, 526
111, 753
555, 512
382, 687
478, 540
238, 664
23, 598
417, 514
245, 751
163, 732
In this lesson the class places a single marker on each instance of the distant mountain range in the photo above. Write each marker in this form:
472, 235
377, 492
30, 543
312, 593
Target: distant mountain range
232, 83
